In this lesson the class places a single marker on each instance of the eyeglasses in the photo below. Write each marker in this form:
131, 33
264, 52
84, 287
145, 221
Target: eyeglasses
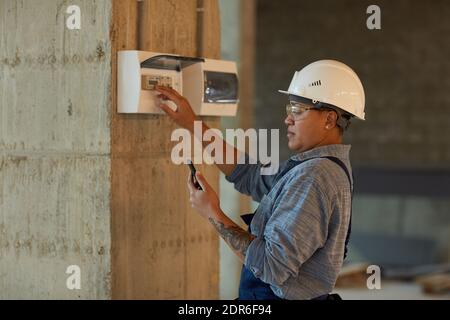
297, 110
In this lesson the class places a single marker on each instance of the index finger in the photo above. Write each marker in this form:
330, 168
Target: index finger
172, 94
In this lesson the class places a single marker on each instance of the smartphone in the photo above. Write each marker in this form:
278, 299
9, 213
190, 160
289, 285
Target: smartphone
193, 171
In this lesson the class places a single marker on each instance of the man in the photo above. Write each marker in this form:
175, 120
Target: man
297, 239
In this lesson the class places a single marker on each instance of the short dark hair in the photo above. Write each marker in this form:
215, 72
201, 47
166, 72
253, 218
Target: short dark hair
343, 120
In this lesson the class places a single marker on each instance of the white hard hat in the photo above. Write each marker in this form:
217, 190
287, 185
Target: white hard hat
330, 82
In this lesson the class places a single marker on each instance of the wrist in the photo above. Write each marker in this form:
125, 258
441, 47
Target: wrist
191, 127
204, 127
216, 213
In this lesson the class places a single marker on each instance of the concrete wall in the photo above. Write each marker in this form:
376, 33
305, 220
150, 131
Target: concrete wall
403, 67
83, 185
54, 149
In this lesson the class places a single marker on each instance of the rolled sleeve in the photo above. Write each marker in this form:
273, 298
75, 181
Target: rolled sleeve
270, 261
247, 179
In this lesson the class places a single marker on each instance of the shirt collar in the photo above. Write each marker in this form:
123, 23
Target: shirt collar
340, 151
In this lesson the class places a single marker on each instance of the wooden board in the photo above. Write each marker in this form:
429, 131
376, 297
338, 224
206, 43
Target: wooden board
161, 248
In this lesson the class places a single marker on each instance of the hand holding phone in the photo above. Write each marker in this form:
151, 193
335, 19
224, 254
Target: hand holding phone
193, 171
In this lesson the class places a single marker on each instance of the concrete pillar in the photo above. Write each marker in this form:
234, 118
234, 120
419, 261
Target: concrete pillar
82, 185
54, 149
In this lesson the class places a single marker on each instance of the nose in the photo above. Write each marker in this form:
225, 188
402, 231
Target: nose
288, 120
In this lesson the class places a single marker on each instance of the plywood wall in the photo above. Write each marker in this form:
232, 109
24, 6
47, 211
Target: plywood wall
161, 248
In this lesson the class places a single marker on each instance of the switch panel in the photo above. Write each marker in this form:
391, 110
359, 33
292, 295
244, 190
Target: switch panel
210, 86
150, 81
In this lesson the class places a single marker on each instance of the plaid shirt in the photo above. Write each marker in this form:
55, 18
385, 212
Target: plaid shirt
301, 222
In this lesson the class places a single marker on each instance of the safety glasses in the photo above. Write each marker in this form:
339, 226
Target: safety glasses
297, 110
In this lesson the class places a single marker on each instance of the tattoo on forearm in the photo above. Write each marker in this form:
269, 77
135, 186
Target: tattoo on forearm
238, 239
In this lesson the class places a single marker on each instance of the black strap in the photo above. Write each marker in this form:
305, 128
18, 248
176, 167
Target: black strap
247, 218
349, 230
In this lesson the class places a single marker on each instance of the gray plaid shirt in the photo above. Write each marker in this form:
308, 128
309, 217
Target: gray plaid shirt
301, 222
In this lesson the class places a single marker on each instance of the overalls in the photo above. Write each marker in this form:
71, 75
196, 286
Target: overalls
252, 288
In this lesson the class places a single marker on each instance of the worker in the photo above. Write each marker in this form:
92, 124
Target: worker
298, 236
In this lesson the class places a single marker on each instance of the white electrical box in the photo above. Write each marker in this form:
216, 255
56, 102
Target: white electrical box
211, 86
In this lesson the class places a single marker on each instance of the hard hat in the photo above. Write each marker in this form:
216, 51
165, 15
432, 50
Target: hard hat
330, 82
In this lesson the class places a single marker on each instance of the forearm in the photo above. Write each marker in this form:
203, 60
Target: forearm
237, 238
185, 117
227, 150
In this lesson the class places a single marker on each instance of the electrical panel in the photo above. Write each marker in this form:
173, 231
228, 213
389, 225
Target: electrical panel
210, 86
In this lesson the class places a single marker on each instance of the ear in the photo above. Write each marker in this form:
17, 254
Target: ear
331, 120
